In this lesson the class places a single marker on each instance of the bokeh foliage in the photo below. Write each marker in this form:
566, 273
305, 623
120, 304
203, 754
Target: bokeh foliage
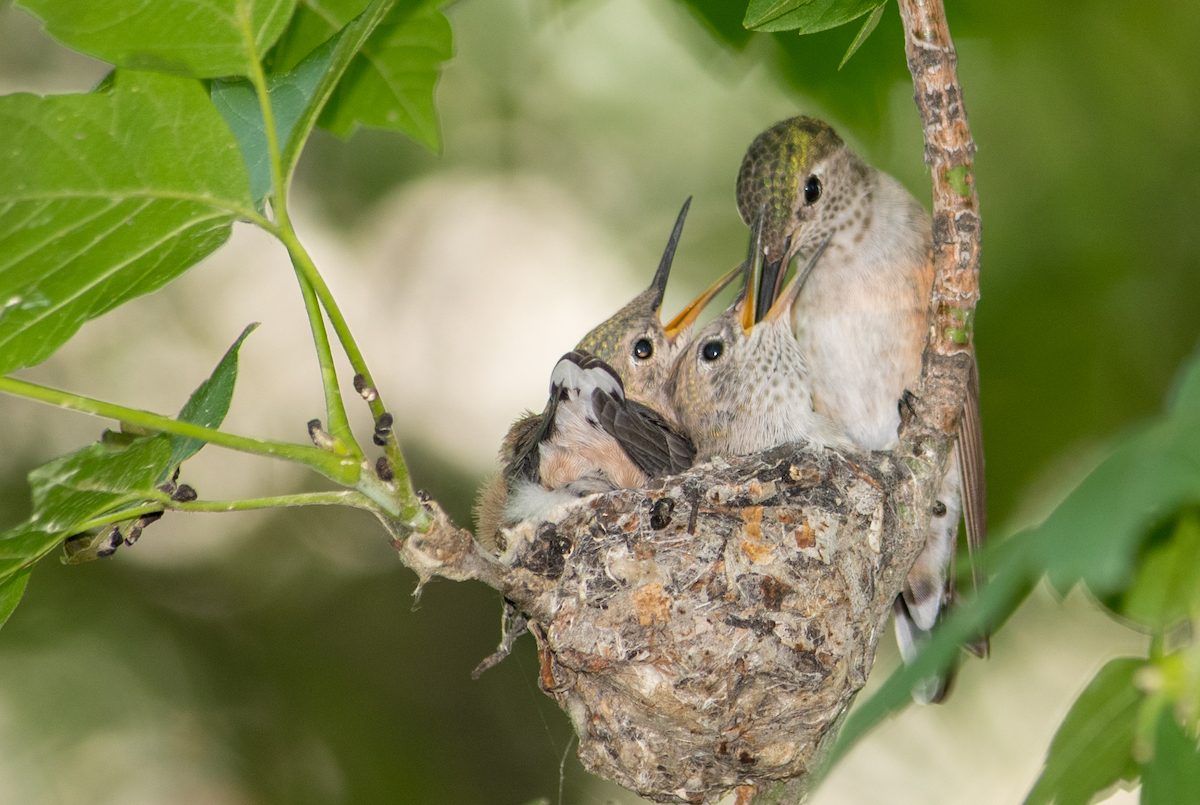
1088, 182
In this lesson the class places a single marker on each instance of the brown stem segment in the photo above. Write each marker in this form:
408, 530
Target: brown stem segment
949, 152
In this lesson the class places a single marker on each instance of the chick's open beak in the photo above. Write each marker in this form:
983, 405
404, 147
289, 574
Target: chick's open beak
692, 310
783, 303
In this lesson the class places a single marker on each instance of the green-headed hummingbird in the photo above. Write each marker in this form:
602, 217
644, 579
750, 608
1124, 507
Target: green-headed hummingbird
862, 322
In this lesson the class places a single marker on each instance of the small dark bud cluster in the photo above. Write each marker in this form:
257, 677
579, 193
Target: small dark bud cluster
319, 436
184, 494
383, 428
383, 468
367, 392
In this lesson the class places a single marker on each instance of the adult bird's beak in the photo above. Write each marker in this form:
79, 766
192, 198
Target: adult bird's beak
686, 317
753, 269
658, 285
775, 266
783, 303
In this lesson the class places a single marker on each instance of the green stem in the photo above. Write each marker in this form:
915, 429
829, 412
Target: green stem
341, 497
342, 470
398, 497
345, 497
259, 79
252, 217
410, 506
335, 409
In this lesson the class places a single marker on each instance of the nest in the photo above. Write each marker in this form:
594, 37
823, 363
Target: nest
711, 631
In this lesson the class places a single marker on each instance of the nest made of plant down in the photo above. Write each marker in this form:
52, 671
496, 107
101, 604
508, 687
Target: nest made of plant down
711, 631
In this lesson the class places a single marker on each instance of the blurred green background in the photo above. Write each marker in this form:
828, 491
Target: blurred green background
280, 658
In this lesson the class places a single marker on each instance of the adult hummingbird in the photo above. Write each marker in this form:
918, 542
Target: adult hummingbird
742, 384
862, 322
595, 435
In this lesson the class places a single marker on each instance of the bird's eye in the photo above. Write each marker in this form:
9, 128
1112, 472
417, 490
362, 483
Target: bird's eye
712, 350
812, 190
643, 349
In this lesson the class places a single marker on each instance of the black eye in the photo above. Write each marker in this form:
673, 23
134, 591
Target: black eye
643, 349
712, 350
812, 190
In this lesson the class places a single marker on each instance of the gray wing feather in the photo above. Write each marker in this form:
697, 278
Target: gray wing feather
645, 436
524, 437
974, 489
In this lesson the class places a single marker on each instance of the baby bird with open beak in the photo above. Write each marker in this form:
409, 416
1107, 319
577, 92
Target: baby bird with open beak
742, 384
608, 422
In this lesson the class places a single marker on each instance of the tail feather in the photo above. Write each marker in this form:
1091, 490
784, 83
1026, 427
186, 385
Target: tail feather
911, 638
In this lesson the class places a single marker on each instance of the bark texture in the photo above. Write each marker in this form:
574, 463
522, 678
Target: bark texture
950, 154
712, 631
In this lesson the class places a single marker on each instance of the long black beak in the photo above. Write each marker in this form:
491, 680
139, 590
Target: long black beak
659, 284
774, 269
747, 302
769, 283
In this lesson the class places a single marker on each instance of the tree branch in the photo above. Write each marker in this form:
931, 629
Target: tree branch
949, 153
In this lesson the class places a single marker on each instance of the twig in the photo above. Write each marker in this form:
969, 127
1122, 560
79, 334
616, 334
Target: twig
340, 469
949, 152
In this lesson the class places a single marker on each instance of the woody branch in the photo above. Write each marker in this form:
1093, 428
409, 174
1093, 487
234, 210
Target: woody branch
949, 153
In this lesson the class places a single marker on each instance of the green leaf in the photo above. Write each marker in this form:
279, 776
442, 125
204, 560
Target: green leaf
297, 98
1184, 399
390, 84
100, 478
1173, 774
868, 27
1094, 534
74, 489
997, 600
289, 95
1166, 585
315, 22
11, 591
805, 16
103, 480
209, 403
198, 38
1093, 747
104, 197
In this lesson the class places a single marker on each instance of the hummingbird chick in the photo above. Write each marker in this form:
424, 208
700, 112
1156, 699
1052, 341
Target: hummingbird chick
862, 323
741, 385
636, 343
635, 347
590, 438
